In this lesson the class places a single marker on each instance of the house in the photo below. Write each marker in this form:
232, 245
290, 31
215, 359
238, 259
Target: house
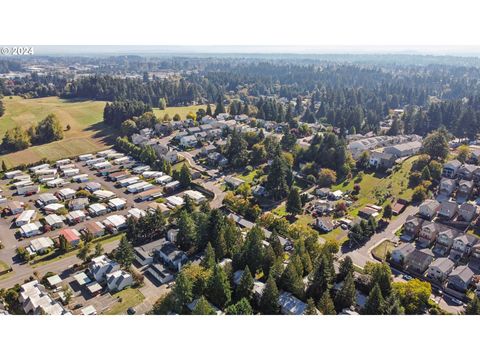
290, 305
118, 175
259, 190
429, 209
145, 254
194, 195
215, 158
440, 269
405, 149
191, 306
78, 204
451, 168
54, 208
40, 245
164, 179
367, 212
172, 186
419, 260
54, 282
31, 229
66, 194
335, 195
381, 160
14, 207
71, 235
53, 221
117, 204
325, 224
97, 209
25, 217
447, 187
466, 171
46, 199
101, 266
150, 194
119, 280
460, 278
465, 188
76, 216
401, 252
103, 195
444, 242
115, 223
153, 206
174, 201
96, 228
428, 234
462, 246
93, 186
160, 273
448, 210
188, 141
35, 300
136, 213
172, 257
467, 212
233, 182
322, 192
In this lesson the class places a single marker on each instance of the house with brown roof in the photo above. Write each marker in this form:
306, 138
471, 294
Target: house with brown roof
411, 228
428, 234
429, 209
419, 260
448, 210
467, 212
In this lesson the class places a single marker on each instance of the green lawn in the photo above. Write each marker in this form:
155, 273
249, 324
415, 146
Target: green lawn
380, 190
248, 178
3, 266
382, 249
87, 133
338, 234
129, 298
180, 110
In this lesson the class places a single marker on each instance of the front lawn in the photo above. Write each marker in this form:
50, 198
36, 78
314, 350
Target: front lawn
381, 250
128, 298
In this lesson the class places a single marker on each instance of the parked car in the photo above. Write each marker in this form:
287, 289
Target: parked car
131, 311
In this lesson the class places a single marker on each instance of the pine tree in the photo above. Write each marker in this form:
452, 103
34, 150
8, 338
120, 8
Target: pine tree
203, 307
322, 277
209, 110
187, 231
387, 211
124, 253
311, 308
346, 267
183, 291
242, 307
98, 249
218, 289
326, 305
185, 177
245, 287
291, 281
294, 203
375, 302
347, 294
269, 301
208, 261
393, 306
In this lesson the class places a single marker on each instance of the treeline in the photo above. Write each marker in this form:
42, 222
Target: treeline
118, 111
47, 130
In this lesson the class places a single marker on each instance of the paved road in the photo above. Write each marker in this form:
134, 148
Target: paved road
362, 255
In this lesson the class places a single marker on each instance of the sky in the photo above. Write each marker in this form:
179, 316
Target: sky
297, 26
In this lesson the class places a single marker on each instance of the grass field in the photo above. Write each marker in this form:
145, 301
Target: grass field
129, 298
180, 110
381, 250
380, 190
87, 133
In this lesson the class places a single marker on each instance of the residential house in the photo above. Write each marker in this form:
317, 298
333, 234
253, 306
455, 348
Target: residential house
46, 199
405, 149
71, 235
466, 171
401, 252
440, 269
40, 245
188, 141
97, 209
445, 240
467, 212
160, 273
119, 280
76, 216
448, 210
78, 204
419, 260
31, 229
429, 209
115, 223
233, 182
447, 187
101, 266
462, 246
464, 191
25, 217
53, 221
381, 160
325, 224
428, 234
451, 168
460, 278
35, 300
290, 305
96, 228
172, 257
66, 194
145, 254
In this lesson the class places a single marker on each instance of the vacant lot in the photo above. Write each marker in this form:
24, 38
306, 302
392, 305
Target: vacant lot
126, 298
180, 110
87, 132
381, 250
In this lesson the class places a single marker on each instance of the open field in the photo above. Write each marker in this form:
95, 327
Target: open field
380, 190
180, 110
87, 133
128, 298
381, 250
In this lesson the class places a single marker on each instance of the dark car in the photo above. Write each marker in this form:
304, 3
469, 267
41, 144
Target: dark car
131, 311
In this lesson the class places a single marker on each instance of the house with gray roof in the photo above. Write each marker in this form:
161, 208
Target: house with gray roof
440, 269
460, 278
451, 168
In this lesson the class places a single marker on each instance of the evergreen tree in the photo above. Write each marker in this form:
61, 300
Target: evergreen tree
387, 211
473, 307
294, 203
322, 280
269, 301
245, 287
311, 308
208, 261
291, 281
375, 302
183, 291
346, 267
209, 110
4, 166
218, 289
393, 306
277, 179
203, 307
185, 177
187, 231
347, 294
242, 307
98, 249
326, 305
124, 253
